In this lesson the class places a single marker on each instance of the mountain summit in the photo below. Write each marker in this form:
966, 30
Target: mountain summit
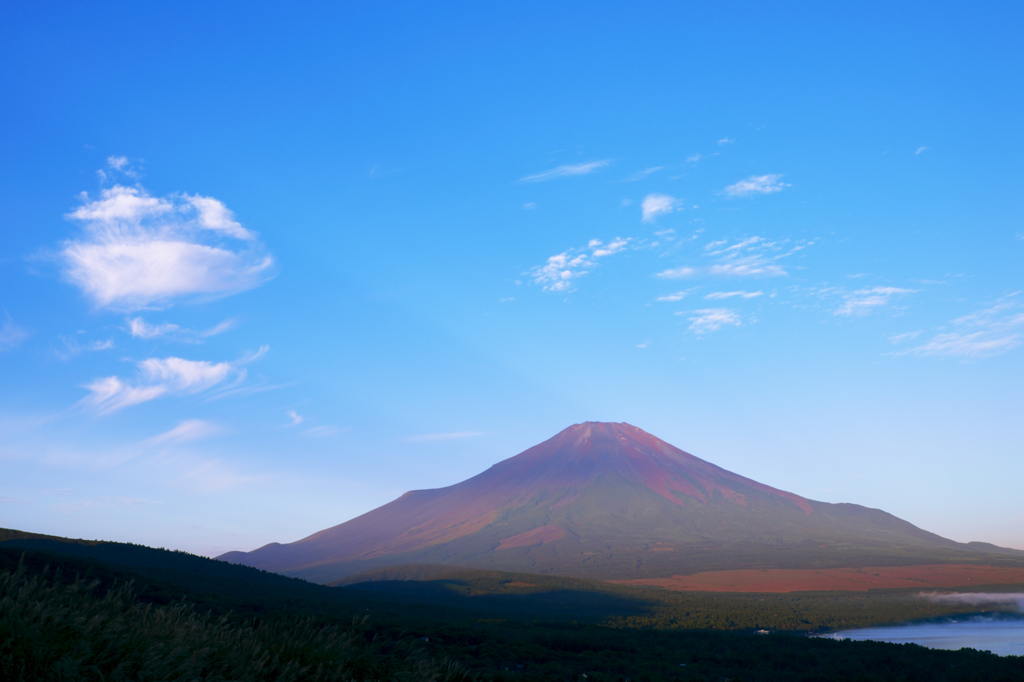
606, 500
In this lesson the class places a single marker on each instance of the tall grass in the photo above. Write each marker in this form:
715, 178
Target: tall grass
61, 630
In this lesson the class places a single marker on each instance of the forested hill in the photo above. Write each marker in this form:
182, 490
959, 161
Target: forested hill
155, 614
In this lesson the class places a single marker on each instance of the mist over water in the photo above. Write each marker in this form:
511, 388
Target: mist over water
1001, 633
977, 598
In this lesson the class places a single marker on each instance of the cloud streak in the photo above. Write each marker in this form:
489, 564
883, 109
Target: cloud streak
987, 332
750, 257
188, 430
11, 335
719, 295
567, 171
141, 329
756, 184
712, 319
137, 251
672, 298
863, 301
158, 377
438, 437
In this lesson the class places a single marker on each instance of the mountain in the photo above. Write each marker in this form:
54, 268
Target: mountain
609, 501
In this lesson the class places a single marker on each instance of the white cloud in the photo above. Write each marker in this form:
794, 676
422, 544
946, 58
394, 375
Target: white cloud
988, 332
672, 298
102, 503
920, 150
295, 417
655, 205
640, 175
694, 158
207, 475
718, 295
157, 377
568, 170
138, 251
601, 250
11, 335
435, 437
751, 266
213, 215
677, 273
117, 162
324, 431
141, 329
906, 336
726, 140
750, 257
73, 348
863, 301
712, 319
560, 270
188, 430
756, 184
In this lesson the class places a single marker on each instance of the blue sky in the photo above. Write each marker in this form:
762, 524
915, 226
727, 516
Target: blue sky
263, 271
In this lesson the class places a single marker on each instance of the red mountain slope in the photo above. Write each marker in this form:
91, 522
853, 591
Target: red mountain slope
605, 500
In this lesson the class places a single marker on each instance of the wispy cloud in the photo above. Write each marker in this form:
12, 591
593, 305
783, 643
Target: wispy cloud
560, 270
750, 257
756, 184
207, 475
712, 319
655, 205
718, 295
137, 251
726, 140
157, 377
672, 298
188, 430
905, 336
566, 171
436, 437
640, 175
73, 348
988, 332
920, 150
11, 334
863, 301
109, 502
324, 431
141, 329
677, 273
295, 418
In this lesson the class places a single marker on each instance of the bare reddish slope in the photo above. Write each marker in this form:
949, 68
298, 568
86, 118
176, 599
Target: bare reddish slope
597, 499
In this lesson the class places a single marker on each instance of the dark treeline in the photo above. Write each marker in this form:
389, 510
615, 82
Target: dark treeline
75, 618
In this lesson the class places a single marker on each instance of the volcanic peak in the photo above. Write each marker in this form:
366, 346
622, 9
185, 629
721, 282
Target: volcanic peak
586, 453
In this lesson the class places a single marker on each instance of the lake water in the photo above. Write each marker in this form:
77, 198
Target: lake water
1003, 636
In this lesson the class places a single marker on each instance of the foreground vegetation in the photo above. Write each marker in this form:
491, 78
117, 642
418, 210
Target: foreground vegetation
56, 630
160, 615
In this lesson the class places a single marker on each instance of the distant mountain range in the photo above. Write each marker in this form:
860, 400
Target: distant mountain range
611, 501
